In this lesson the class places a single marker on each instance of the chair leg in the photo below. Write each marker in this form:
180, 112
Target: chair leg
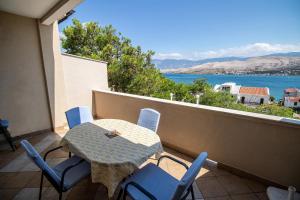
70, 154
8, 138
60, 195
124, 195
120, 194
41, 186
192, 192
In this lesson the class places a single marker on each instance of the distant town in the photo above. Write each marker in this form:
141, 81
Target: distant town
260, 95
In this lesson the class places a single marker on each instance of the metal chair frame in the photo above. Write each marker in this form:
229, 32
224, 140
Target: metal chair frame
123, 193
59, 188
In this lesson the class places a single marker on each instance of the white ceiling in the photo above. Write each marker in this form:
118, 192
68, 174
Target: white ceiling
27, 8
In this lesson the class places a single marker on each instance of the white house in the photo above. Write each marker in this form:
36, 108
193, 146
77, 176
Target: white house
291, 92
291, 98
254, 95
292, 102
247, 95
233, 88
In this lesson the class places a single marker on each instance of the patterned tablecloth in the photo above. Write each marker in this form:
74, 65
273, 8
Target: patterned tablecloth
112, 159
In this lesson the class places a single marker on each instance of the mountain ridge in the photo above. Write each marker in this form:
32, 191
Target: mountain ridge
185, 63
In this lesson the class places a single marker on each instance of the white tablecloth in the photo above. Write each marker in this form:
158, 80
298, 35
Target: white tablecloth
112, 159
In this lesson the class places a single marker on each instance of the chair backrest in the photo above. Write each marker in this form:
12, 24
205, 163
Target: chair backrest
78, 115
190, 175
39, 161
149, 118
4, 123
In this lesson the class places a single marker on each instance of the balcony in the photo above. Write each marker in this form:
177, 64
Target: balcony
247, 151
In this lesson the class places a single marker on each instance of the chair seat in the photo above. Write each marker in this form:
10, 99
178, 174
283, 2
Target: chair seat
4, 123
154, 180
75, 174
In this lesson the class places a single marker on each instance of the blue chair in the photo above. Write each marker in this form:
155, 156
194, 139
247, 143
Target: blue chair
78, 115
149, 118
4, 130
151, 182
64, 175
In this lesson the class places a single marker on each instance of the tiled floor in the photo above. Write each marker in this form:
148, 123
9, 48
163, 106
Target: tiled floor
19, 179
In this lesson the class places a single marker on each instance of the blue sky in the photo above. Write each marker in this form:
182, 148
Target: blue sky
197, 29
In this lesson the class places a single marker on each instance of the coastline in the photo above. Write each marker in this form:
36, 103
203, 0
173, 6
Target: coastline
276, 83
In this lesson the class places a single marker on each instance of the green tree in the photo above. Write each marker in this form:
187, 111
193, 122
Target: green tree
125, 62
272, 99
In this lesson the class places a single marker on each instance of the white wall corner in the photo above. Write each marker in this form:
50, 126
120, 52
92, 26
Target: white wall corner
52, 60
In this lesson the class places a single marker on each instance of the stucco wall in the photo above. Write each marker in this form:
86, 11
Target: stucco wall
50, 46
82, 76
290, 104
22, 83
265, 146
253, 99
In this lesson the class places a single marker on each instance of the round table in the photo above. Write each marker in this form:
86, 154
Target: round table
112, 158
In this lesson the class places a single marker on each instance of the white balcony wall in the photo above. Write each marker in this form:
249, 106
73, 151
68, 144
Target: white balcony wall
50, 47
261, 145
82, 76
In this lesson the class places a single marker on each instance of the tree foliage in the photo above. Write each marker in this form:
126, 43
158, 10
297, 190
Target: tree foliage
125, 61
130, 69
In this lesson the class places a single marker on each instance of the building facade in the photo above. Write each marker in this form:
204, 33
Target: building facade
291, 98
254, 95
231, 87
246, 95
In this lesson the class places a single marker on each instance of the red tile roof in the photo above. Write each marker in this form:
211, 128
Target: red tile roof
254, 91
291, 90
293, 99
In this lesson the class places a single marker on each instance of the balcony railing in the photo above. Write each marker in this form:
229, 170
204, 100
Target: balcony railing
260, 145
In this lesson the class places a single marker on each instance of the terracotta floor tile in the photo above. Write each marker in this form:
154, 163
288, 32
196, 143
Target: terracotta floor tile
58, 154
7, 194
220, 172
233, 184
3, 162
255, 186
10, 155
210, 187
86, 181
218, 198
197, 193
3, 179
164, 165
205, 172
244, 197
262, 196
175, 169
82, 192
101, 193
211, 182
16, 180
49, 193
27, 193
36, 179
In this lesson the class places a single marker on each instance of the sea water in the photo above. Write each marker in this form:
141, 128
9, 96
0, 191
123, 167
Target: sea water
276, 84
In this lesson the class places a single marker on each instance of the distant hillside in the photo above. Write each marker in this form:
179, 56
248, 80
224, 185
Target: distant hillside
271, 64
183, 63
290, 54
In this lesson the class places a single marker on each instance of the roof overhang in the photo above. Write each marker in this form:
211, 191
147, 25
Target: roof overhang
48, 11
